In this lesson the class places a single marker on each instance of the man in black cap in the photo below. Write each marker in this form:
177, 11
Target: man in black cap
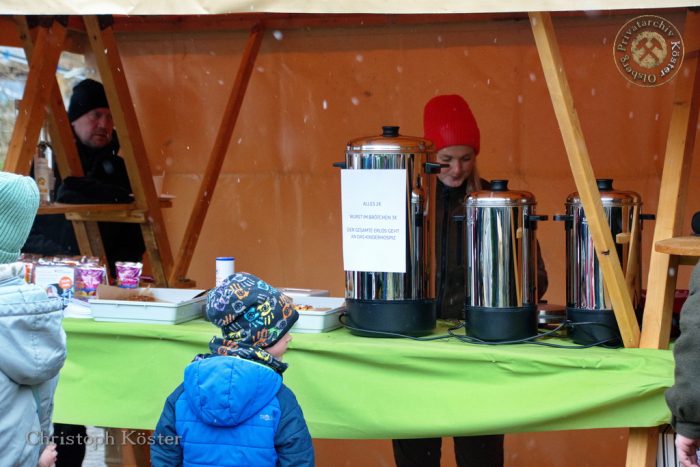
93, 127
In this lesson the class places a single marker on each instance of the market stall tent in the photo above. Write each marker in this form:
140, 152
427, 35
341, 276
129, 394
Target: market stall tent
678, 153
202, 7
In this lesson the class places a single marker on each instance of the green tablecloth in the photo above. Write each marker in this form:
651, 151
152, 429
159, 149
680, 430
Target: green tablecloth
367, 388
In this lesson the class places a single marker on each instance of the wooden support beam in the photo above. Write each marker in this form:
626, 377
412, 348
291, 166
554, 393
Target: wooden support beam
582, 170
32, 110
136, 216
60, 132
284, 21
89, 240
216, 160
104, 47
641, 447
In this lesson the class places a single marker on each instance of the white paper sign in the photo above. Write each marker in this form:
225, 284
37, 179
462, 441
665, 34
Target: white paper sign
374, 220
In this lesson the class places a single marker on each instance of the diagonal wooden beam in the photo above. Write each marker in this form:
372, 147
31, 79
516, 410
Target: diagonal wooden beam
62, 142
32, 109
216, 160
575, 144
104, 47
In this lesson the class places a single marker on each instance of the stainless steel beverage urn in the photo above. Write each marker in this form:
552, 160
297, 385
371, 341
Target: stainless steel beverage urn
501, 263
588, 304
392, 302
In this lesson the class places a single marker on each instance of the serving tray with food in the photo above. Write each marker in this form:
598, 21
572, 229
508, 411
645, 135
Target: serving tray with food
318, 314
147, 305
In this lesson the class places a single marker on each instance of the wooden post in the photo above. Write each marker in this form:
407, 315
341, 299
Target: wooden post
32, 110
221, 144
109, 63
59, 128
582, 170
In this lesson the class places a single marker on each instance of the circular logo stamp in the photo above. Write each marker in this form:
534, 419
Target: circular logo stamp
648, 50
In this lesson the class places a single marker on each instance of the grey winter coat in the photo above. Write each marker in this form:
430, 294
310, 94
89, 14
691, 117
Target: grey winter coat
33, 347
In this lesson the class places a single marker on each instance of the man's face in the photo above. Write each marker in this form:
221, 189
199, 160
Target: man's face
94, 128
461, 161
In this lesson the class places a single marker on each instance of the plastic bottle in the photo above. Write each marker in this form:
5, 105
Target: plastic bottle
43, 173
225, 266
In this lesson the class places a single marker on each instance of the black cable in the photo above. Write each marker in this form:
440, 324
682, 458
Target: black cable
531, 339
474, 340
391, 334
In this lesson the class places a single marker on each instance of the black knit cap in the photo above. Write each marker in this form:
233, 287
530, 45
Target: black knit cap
87, 95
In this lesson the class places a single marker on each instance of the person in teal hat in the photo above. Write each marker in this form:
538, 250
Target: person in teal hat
31, 336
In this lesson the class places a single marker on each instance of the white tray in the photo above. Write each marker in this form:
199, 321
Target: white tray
295, 292
174, 306
315, 320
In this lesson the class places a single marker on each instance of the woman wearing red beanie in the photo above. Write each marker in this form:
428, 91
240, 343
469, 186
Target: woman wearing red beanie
450, 124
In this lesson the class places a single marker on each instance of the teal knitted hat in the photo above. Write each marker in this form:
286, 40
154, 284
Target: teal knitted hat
19, 201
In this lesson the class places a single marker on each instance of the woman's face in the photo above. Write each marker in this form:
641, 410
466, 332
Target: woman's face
461, 161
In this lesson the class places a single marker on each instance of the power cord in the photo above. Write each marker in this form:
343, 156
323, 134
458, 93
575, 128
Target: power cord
473, 340
533, 339
391, 334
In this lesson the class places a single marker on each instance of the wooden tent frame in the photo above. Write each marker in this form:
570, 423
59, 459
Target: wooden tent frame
43, 46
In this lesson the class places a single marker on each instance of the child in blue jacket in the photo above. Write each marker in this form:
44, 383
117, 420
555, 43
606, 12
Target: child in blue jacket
232, 408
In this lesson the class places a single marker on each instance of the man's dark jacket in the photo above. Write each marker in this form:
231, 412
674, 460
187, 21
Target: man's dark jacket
106, 181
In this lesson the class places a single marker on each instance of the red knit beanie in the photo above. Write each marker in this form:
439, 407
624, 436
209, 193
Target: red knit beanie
448, 121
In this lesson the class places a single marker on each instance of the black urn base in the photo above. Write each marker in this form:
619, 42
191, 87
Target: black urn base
382, 318
501, 324
593, 327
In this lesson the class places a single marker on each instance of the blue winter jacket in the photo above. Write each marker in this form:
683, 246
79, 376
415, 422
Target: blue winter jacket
231, 412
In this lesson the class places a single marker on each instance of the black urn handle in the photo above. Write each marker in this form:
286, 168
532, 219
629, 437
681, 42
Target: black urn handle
340, 165
567, 218
434, 167
390, 131
532, 220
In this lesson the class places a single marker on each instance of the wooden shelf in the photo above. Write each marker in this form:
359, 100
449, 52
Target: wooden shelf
681, 246
61, 208
101, 212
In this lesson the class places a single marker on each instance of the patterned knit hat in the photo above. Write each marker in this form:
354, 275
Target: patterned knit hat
250, 311
448, 121
87, 95
19, 201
